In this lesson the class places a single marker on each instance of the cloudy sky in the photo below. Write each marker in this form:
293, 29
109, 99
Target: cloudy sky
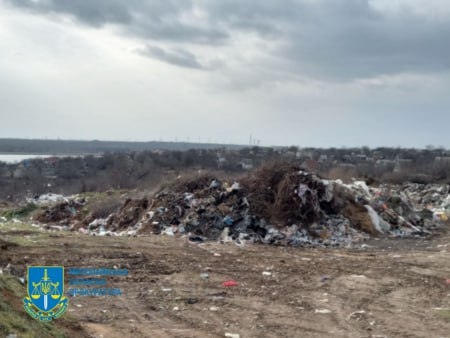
287, 72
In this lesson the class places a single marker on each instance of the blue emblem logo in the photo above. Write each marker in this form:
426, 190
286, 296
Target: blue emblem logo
45, 300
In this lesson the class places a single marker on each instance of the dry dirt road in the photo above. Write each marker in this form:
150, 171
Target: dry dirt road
390, 289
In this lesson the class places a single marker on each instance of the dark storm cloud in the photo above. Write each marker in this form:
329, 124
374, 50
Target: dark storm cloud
353, 40
94, 13
153, 19
177, 57
336, 40
342, 39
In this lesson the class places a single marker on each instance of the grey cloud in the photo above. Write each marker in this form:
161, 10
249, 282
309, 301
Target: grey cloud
177, 32
360, 42
94, 13
341, 40
179, 57
332, 40
153, 19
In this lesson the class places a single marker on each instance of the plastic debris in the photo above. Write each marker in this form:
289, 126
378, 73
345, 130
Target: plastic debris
322, 311
355, 314
324, 279
280, 205
232, 335
230, 283
197, 239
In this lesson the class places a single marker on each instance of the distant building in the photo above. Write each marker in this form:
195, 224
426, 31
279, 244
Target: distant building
5, 172
402, 164
385, 164
323, 158
221, 161
48, 167
246, 164
346, 166
442, 160
359, 158
19, 172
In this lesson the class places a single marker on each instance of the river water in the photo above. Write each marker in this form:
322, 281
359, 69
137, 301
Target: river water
16, 158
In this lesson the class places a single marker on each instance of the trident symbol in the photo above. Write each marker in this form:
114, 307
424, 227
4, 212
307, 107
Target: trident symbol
46, 287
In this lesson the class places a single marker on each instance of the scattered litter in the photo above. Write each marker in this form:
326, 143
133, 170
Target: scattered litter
197, 239
322, 311
232, 335
324, 279
354, 314
358, 276
267, 273
230, 283
214, 309
176, 308
204, 276
166, 290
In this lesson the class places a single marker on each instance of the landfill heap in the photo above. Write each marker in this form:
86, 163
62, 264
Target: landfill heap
279, 204
63, 211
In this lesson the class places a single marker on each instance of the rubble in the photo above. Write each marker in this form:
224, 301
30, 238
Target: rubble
46, 199
64, 212
278, 204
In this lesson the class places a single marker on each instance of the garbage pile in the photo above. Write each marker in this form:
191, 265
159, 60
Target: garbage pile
47, 199
64, 212
406, 209
277, 204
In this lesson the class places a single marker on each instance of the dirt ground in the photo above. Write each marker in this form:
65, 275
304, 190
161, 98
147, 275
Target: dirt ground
391, 288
